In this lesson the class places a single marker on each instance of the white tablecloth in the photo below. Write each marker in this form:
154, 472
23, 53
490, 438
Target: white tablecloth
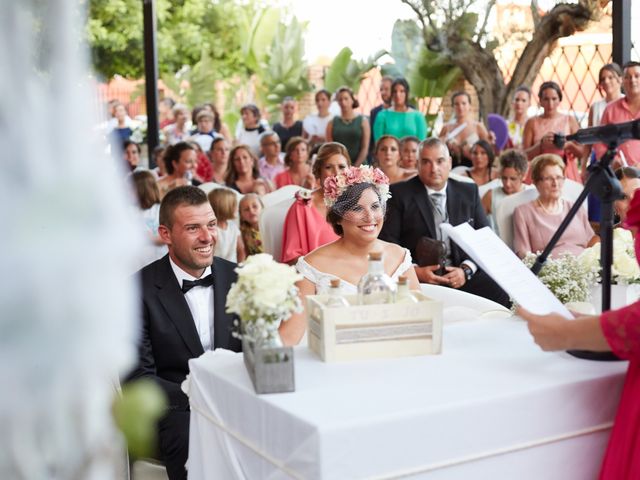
493, 405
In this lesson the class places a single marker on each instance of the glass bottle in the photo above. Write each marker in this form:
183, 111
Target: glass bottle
404, 295
376, 286
335, 296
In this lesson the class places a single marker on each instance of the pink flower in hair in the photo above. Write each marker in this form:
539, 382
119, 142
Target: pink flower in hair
336, 185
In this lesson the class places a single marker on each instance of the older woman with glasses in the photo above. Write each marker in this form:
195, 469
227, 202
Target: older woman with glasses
535, 222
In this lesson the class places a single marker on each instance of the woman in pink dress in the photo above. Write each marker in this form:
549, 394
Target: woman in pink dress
540, 130
534, 223
306, 227
619, 331
298, 171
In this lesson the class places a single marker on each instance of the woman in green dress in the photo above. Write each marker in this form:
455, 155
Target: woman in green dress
400, 120
350, 128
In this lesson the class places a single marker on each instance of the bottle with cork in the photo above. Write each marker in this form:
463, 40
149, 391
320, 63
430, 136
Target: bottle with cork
376, 286
335, 298
404, 295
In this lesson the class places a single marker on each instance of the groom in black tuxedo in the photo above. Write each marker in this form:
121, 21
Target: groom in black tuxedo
183, 312
419, 206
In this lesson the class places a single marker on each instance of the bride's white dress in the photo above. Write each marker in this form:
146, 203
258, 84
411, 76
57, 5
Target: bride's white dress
322, 280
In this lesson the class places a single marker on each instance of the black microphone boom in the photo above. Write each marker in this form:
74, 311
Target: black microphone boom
615, 133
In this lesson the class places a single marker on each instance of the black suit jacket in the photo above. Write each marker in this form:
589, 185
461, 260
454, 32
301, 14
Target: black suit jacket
410, 216
169, 338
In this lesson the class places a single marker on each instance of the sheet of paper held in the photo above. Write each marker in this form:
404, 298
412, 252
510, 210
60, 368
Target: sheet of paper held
492, 255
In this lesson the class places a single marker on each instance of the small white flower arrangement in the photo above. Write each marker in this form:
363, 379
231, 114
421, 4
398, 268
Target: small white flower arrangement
264, 295
568, 278
624, 269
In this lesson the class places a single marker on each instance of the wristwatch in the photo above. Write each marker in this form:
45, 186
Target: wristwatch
468, 273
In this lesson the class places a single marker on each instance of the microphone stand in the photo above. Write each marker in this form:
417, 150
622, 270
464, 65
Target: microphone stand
602, 183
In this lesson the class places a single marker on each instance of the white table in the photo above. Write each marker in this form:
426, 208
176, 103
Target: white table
493, 405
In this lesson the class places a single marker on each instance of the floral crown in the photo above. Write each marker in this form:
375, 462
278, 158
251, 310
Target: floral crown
336, 185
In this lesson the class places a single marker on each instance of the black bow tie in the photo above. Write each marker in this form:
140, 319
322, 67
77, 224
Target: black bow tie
201, 282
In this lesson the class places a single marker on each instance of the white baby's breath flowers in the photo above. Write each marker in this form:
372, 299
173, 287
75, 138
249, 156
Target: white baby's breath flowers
568, 277
264, 294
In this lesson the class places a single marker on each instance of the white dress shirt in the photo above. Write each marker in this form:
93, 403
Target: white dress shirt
200, 301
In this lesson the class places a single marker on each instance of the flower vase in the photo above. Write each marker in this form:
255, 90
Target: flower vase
268, 362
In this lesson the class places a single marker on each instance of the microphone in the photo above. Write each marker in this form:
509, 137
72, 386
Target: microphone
615, 133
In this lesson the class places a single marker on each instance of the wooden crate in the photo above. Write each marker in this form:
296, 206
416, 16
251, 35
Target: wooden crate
374, 331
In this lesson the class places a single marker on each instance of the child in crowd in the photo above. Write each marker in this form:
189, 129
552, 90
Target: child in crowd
250, 210
148, 197
229, 246
409, 152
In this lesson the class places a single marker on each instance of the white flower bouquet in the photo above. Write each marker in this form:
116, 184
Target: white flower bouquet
264, 295
625, 268
568, 278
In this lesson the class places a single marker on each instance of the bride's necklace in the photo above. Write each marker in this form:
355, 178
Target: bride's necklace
554, 211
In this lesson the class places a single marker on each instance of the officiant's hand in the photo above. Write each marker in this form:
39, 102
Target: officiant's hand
427, 275
455, 277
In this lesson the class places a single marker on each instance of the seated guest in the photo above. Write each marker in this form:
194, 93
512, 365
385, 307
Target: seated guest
462, 131
250, 211
298, 171
272, 161
305, 226
179, 130
482, 157
250, 128
409, 152
180, 162
356, 202
219, 158
421, 204
131, 155
289, 127
183, 312
148, 211
158, 157
314, 126
243, 174
535, 223
617, 331
400, 119
387, 158
513, 168
205, 133
630, 181
229, 246
204, 170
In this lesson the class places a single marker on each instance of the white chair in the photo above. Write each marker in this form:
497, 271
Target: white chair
504, 216
460, 170
459, 305
483, 189
284, 193
460, 178
148, 469
210, 186
272, 225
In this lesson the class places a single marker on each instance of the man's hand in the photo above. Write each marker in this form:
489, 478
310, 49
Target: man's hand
455, 276
427, 275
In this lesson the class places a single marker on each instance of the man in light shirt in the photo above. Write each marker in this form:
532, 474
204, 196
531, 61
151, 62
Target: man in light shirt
183, 312
272, 161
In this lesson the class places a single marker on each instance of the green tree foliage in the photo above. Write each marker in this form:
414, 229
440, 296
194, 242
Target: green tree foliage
457, 31
284, 74
346, 70
187, 31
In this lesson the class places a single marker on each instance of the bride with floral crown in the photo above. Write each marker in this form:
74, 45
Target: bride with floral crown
356, 201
